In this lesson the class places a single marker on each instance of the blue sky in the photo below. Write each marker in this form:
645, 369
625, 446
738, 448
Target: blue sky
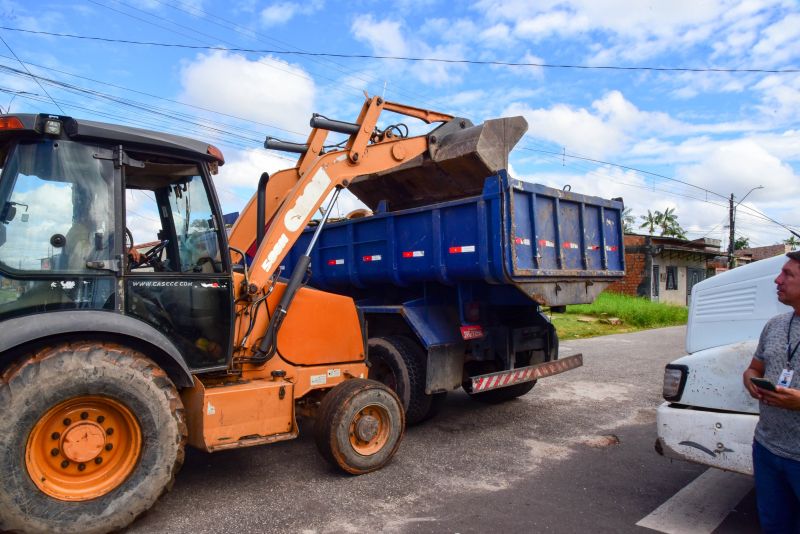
707, 134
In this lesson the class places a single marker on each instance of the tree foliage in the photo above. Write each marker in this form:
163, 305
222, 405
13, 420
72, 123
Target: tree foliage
628, 220
741, 242
666, 221
792, 241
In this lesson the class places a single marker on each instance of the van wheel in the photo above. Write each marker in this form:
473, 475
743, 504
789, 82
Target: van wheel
92, 434
359, 426
400, 363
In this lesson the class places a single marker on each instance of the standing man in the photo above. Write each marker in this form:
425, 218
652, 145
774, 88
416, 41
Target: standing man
776, 447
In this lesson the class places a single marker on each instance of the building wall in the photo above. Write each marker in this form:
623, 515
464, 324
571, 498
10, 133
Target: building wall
637, 277
674, 296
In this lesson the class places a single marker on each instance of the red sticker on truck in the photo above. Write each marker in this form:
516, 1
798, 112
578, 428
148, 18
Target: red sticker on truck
414, 254
336, 262
462, 249
376, 257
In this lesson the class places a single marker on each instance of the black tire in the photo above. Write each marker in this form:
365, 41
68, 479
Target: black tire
400, 363
344, 407
497, 396
77, 370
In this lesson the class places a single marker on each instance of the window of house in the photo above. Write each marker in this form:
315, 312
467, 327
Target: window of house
672, 277
656, 269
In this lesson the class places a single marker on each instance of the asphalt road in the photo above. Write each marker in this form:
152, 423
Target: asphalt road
574, 455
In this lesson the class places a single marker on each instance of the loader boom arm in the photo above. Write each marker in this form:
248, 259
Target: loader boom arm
282, 188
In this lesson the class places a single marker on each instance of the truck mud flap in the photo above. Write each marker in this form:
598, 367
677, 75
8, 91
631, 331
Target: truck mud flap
503, 379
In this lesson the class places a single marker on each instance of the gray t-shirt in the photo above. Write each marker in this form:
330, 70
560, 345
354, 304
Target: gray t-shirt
778, 429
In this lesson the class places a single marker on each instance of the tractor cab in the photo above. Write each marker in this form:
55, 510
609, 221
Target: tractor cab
105, 217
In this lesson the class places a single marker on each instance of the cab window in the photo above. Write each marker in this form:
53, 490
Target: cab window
56, 208
170, 224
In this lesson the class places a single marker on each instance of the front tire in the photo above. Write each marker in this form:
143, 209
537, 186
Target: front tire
90, 436
359, 426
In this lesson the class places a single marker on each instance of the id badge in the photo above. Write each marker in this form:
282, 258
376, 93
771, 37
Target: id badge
786, 378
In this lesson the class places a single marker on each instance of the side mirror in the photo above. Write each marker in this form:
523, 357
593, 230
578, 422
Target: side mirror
8, 212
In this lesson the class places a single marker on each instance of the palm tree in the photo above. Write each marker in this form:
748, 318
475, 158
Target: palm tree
651, 221
667, 221
792, 241
627, 221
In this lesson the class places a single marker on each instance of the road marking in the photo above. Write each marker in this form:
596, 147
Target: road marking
702, 505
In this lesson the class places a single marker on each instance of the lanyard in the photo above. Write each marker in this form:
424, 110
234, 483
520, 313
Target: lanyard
789, 351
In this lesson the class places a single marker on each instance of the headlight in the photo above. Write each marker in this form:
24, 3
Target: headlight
674, 381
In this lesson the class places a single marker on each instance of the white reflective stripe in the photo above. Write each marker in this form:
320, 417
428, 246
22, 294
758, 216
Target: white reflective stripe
492, 382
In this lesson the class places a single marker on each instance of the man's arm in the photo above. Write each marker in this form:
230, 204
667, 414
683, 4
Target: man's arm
755, 370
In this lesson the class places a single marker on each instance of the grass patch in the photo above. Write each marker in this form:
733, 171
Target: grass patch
635, 313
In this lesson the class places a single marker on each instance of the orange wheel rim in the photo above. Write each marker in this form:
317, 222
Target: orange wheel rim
369, 429
83, 448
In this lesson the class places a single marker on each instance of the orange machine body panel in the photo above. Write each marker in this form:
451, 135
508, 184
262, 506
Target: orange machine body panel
239, 414
320, 328
312, 333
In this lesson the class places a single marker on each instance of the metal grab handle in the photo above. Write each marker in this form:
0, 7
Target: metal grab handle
318, 121
284, 146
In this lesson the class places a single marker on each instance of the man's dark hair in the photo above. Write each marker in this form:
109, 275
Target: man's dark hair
795, 255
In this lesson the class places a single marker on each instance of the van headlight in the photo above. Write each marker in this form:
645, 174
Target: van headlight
674, 381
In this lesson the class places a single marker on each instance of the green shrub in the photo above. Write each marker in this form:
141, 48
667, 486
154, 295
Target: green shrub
636, 311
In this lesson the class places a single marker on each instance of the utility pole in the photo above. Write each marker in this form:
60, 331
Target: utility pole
731, 243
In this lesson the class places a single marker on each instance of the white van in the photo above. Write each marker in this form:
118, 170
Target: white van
709, 418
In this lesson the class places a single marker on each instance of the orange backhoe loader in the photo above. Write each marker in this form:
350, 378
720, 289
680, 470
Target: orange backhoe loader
113, 356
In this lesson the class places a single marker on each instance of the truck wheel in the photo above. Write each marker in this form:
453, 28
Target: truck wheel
359, 425
91, 435
400, 363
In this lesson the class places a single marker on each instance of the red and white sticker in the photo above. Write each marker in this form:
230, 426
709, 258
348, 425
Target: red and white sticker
593, 247
336, 262
522, 241
546, 243
570, 244
611, 249
414, 254
376, 257
462, 250
471, 332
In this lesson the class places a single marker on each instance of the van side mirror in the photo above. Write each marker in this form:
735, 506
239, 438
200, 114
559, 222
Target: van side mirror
8, 212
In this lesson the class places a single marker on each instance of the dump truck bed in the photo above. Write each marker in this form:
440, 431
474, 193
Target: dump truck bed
557, 247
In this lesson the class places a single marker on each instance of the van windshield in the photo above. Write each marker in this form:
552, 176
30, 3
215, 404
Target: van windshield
56, 207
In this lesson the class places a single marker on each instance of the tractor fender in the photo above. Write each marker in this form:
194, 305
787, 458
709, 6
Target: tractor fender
23, 330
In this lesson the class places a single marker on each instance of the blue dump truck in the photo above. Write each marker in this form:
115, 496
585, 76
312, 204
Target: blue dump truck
452, 290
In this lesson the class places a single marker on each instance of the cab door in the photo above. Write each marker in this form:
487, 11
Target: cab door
177, 277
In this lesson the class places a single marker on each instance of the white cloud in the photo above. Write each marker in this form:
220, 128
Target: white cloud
607, 129
267, 90
281, 12
736, 167
780, 42
623, 31
389, 38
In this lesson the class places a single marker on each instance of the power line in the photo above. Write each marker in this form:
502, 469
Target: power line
31, 75
407, 58
565, 154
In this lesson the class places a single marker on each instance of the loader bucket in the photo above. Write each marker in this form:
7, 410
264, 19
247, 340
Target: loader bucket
460, 157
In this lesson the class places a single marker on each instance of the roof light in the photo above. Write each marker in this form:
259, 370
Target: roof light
217, 153
11, 123
52, 127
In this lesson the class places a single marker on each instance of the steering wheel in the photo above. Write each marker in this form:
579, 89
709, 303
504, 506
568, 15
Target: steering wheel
152, 257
